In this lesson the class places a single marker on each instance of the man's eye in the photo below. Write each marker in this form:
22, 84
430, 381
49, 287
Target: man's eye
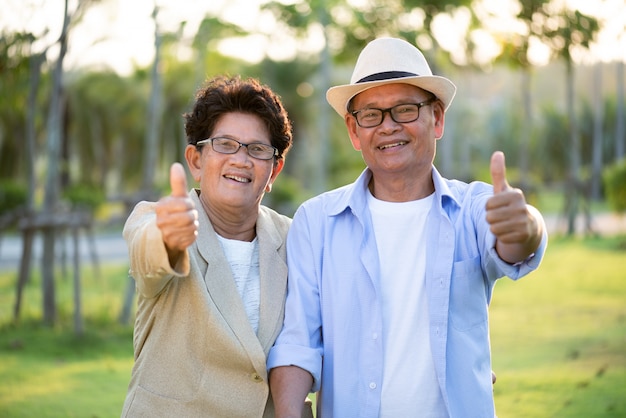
369, 114
405, 109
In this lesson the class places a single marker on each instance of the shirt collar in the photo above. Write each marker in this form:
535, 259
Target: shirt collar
354, 196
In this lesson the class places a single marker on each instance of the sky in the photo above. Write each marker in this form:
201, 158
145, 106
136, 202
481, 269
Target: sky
120, 33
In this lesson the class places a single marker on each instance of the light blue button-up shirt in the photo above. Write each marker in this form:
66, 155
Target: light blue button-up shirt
333, 323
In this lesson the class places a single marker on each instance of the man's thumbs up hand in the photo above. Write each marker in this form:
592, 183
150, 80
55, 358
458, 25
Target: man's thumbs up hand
176, 215
511, 220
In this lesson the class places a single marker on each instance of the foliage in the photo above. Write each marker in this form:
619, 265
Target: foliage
614, 178
287, 193
105, 127
84, 196
15, 56
13, 195
554, 137
350, 26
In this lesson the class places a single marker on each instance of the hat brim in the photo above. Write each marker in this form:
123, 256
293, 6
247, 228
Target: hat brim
339, 96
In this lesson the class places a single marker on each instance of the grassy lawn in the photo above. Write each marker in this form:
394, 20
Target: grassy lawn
52, 372
558, 338
559, 335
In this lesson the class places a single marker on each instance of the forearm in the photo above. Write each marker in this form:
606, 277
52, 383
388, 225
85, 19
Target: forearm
289, 385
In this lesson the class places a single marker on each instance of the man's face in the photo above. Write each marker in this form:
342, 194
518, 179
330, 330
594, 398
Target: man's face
392, 148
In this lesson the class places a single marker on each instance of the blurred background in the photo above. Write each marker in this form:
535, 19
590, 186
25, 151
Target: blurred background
92, 94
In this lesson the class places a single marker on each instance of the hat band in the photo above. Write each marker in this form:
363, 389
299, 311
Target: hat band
386, 76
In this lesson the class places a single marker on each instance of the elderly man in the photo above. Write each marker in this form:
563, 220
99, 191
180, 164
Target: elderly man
390, 277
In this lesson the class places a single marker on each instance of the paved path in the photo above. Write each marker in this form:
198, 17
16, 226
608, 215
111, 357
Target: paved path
111, 247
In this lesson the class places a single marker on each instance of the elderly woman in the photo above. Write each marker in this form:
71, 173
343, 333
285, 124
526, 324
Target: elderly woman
209, 264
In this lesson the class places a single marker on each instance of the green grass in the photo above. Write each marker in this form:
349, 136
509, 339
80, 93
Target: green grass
52, 371
558, 339
559, 335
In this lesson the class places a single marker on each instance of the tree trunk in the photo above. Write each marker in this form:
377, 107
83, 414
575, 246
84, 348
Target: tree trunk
31, 113
527, 127
620, 129
78, 316
28, 235
598, 118
154, 110
47, 277
320, 180
573, 186
51, 196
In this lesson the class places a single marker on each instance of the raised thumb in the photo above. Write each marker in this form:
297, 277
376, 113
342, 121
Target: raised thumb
498, 172
178, 180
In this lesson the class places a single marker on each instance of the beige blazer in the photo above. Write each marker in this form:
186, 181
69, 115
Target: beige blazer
196, 354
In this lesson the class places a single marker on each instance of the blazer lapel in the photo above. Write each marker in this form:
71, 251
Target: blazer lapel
221, 287
273, 269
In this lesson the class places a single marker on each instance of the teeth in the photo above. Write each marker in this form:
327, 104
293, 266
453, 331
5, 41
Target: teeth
239, 179
397, 144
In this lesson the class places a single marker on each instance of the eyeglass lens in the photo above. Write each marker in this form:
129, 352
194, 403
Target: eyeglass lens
402, 113
231, 146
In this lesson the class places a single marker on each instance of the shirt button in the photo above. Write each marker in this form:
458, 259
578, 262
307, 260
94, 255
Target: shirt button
256, 377
374, 336
372, 385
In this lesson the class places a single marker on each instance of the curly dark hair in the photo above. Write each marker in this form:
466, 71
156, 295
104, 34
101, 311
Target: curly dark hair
222, 94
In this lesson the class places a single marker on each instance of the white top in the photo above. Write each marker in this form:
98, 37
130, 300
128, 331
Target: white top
243, 257
410, 386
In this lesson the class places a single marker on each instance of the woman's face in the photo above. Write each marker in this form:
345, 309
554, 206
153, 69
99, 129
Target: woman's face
234, 182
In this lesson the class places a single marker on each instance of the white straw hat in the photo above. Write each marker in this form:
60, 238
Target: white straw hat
386, 61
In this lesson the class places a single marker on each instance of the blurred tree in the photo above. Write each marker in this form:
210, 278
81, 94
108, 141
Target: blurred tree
568, 32
107, 114
48, 220
598, 134
16, 57
515, 46
153, 118
345, 28
614, 180
51, 194
620, 121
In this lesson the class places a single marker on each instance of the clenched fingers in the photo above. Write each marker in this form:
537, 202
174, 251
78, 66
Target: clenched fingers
177, 218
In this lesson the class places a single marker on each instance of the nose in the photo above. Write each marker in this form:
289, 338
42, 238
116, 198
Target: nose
384, 123
242, 158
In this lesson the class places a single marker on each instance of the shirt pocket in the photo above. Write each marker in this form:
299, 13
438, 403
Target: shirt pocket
468, 300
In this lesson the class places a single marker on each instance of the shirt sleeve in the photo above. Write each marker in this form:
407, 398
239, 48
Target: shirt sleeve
149, 263
299, 343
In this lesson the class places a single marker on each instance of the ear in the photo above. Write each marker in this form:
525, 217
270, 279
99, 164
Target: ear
353, 131
439, 115
193, 155
278, 167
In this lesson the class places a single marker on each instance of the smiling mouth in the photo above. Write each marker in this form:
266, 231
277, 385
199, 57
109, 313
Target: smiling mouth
395, 144
238, 179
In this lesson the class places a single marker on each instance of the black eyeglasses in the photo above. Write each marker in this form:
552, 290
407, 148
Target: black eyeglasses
224, 145
402, 113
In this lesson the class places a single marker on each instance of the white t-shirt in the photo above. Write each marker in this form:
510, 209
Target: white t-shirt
410, 386
243, 258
